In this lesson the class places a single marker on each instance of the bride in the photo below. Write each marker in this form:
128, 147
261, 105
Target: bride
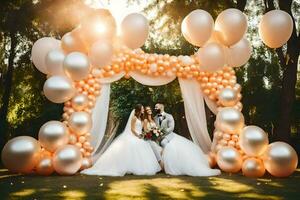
128, 154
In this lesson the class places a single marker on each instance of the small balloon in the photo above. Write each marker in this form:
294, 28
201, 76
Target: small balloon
54, 62
59, 89
72, 41
253, 167
239, 53
229, 159
231, 26
79, 102
230, 120
86, 163
228, 97
211, 57
21, 154
280, 159
45, 166
76, 66
253, 141
52, 135
67, 160
101, 53
39, 51
80, 122
275, 28
135, 30
197, 27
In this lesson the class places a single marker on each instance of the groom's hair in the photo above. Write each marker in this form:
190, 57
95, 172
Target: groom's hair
161, 104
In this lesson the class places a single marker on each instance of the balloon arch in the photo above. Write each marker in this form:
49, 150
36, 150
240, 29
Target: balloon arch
81, 66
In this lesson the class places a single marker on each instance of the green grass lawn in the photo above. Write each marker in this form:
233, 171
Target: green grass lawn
161, 186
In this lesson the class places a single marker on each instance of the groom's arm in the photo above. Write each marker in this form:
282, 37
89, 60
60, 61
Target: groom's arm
171, 124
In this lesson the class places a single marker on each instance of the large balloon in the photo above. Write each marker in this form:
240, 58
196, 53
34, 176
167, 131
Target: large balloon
59, 89
197, 27
253, 140
53, 134
135, 30
211, 57
239, 53
45, 166
39, 51
275, 28
101, 53
76, 66
21, 154
67, 160
80, 122
253, 167
228, 97
79, 102
54, 62
229, 159
230, 120
280, 159
231, 26
72, 41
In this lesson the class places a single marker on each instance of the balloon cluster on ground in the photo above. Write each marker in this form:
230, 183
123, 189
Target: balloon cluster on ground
92, 53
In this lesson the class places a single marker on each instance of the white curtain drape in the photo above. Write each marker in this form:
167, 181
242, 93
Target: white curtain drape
211, 105
151, 81
195, 113
99, 117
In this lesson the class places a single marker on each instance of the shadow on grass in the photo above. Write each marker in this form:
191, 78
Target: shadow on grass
161, 186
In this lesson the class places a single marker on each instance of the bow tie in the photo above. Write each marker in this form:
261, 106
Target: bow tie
159, 115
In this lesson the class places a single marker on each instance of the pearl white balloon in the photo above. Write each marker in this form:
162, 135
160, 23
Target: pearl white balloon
76, 66
231, 26
229, 159
54, 62
39, 51
59, 89
135, 30
197, 27
80, 122
230, 120
228, 97
239, 53
79, 102
275, 28
101, 53
211, 57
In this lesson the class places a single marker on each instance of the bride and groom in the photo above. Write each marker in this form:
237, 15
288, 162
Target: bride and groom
130, 153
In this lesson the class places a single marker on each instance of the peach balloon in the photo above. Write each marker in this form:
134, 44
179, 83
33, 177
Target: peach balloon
54, 62
70, 42
101, 53
253, 167
45, 166
275, 28
72, 139
229, 159
280, 159
197, 27
239, 53
231, 26
212, 159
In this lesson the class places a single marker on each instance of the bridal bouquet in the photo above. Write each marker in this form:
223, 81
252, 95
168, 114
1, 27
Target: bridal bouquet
154, 134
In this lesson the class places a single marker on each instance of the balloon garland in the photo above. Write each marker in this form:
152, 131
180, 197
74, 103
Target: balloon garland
92, 52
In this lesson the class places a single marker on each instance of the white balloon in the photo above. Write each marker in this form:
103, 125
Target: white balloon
39, 51
76, 66
54, 62
239, 53
135, 30
101, 53
197, 27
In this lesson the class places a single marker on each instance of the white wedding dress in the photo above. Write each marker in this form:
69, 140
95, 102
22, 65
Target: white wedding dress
127, 154
182, 157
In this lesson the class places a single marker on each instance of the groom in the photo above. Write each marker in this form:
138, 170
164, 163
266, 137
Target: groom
165, 122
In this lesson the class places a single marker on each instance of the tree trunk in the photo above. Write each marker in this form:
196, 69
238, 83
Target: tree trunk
7, 83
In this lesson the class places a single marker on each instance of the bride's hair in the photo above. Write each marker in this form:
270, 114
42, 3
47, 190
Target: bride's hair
146, 115
138, 111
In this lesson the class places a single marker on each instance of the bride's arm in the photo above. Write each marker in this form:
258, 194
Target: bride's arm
133, 121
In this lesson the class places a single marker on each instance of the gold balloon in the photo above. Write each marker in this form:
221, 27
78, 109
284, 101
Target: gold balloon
229, 159
230, 120
67, 160
275, 28
228, 97
76, 66
59, 89
79, 102
231, 26
86, 163
135, 30
21, 154
52, 135
280, 159
253, 167
45, 166
80, 122
253, 140
197, 27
